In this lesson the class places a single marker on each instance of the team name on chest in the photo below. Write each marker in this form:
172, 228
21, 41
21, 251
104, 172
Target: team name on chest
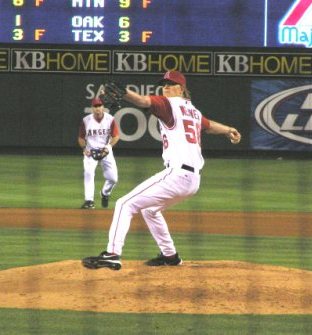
98, 132
191, 112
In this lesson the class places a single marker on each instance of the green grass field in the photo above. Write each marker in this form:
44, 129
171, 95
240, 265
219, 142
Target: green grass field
227, 185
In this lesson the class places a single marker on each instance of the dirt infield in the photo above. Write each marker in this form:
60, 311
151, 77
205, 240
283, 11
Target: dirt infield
228, 223
199, 287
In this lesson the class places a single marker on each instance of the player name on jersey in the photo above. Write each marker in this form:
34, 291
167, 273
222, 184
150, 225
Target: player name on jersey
193, 113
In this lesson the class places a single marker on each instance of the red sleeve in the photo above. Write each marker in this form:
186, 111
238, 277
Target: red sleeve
82, 130
114, 129
161, 108
205, 123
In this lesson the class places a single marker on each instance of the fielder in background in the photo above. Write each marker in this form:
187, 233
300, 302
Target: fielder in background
98, 133
181, 126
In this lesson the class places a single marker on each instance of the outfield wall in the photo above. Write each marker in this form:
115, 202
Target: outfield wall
45, 92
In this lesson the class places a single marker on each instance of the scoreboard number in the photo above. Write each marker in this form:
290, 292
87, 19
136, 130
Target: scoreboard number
18, 34
124, 36
124, 3
18, 3
124, 22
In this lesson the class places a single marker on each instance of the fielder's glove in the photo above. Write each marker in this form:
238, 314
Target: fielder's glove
99, 153
113, 95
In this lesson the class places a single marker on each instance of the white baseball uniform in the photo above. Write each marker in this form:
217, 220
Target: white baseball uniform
180, 125
97, 135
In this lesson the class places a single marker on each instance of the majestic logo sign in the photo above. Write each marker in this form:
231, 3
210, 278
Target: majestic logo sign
288, 113
296, 26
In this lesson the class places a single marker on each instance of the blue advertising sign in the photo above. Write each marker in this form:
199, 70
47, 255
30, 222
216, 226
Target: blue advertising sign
281, 115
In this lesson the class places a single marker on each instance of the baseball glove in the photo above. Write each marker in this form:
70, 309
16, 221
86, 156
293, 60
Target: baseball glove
115, 90
113, 94
99, 153
110, 103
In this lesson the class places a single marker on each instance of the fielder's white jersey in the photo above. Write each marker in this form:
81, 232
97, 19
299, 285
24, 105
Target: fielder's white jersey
97, 134
182, 141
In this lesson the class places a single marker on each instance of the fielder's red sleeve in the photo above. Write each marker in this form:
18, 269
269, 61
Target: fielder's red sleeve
82, 130
114, 129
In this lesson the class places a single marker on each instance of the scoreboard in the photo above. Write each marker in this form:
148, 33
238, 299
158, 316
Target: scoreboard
194, 23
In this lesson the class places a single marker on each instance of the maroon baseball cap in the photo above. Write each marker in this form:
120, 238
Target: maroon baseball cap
173, 76
97, 102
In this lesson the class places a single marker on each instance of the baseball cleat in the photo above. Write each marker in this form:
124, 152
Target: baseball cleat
104, 200
88, 204
161, 260
104, 260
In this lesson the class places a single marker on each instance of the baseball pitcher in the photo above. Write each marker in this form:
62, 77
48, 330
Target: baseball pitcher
181, 126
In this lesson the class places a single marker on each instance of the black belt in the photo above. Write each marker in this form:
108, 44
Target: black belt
188, 168
185, 167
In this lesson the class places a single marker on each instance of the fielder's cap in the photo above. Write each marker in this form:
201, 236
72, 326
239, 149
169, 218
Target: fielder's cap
97, 102
173, 77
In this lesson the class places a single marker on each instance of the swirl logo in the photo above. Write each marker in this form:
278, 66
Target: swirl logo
288, 113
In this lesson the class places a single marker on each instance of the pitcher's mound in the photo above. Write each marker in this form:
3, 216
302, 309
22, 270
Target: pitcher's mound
197, 287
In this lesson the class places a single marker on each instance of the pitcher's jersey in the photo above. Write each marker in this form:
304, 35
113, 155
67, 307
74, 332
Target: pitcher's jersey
97, 134
182, 136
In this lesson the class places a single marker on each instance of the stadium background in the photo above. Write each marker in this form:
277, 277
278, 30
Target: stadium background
47, 89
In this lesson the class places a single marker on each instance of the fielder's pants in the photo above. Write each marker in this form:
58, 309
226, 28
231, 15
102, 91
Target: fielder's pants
110, 174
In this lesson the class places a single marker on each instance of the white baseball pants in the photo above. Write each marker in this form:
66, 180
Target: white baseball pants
164, 189
110, 174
